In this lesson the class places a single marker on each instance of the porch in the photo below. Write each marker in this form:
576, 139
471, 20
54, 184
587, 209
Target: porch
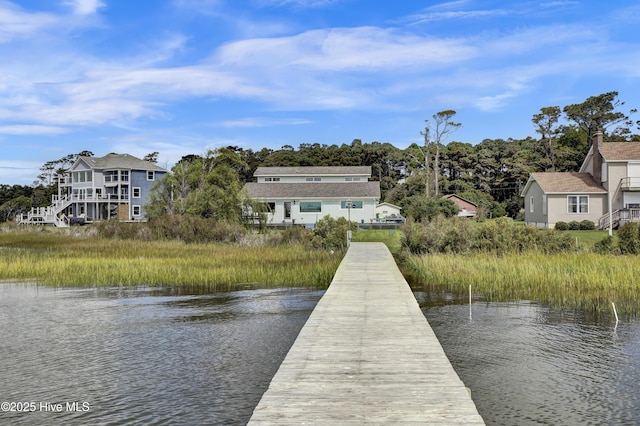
619, 218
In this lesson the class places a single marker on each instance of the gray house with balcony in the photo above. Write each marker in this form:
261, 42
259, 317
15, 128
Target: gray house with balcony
116, 186
606, 189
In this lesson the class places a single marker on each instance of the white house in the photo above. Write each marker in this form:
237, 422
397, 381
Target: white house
388, 212
303, 195
94, 188
608, 181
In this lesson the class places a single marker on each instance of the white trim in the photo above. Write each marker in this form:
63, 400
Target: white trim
577, 204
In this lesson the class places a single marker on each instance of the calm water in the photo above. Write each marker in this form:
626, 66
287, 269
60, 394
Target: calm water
142, 356
152, 357
530, 365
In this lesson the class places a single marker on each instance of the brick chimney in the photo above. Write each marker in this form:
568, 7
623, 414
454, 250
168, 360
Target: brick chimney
597, 141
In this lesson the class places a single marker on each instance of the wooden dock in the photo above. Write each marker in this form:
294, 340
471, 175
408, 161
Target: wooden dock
366, 355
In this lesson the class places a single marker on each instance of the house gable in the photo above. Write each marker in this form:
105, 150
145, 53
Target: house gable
465, 207
562, 196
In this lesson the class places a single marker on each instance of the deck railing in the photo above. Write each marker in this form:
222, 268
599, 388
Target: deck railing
619, 217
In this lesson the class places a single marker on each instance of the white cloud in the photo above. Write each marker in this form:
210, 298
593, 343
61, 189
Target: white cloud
262, 122
15, 22
85, 7
366, 49
32, 129
305, 4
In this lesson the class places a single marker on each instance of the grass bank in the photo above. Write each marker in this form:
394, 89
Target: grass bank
64, 260
585, 280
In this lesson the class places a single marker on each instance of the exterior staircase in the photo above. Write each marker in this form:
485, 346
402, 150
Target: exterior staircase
47, 215
619, 218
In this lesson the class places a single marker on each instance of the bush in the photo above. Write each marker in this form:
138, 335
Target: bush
331, 233
562, 226
604, 246
414, 237
574, 225
500, 236
113, 228
628, 239
77, 221
587, 225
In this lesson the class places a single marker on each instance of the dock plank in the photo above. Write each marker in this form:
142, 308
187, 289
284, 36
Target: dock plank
366, 355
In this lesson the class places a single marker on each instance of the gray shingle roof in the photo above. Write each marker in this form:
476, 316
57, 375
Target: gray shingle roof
120, 161
313, 171
313, 190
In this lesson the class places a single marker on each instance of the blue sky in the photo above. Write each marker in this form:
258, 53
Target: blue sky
184, 76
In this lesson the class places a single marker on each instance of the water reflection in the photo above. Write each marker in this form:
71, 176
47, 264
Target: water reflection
144, 355
531, 364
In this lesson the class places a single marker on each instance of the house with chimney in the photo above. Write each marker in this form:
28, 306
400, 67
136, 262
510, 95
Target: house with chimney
606, 189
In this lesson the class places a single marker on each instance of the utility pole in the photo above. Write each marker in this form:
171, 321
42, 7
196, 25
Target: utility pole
426, 160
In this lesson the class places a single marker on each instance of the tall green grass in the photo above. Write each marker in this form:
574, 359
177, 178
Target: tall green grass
392, 238
64, 260
587, 280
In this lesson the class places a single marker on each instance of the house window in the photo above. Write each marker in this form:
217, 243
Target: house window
310, 206
313, 179
578, 204
352, 179
531, 204
124, 175
354, 204
136, 192
136, 210
272, 179
111, 176
150, 175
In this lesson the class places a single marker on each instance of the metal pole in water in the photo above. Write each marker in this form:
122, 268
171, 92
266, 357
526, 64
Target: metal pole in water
469, 301
614, 311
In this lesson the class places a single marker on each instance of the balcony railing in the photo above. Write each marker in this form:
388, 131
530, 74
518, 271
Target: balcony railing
95, 198
629, 183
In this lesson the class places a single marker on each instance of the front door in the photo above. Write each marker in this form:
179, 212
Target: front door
287, 209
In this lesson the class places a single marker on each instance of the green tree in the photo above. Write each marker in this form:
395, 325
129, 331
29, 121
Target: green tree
546, 124
599, 113
424, 209
208, 186
13, 207
441, 127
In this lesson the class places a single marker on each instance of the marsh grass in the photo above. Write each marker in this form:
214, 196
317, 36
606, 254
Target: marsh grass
65, 260
587, 281
392, 238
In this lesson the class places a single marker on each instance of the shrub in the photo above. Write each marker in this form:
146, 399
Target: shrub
574, 225
331, 233
78, 221
587, 225
628, 239
562, 226
500, 236
414, 237
604, 246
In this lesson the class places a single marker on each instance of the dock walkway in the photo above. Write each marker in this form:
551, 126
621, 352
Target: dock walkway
366, 355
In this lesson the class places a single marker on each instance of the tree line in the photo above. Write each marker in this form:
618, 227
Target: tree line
491, 173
